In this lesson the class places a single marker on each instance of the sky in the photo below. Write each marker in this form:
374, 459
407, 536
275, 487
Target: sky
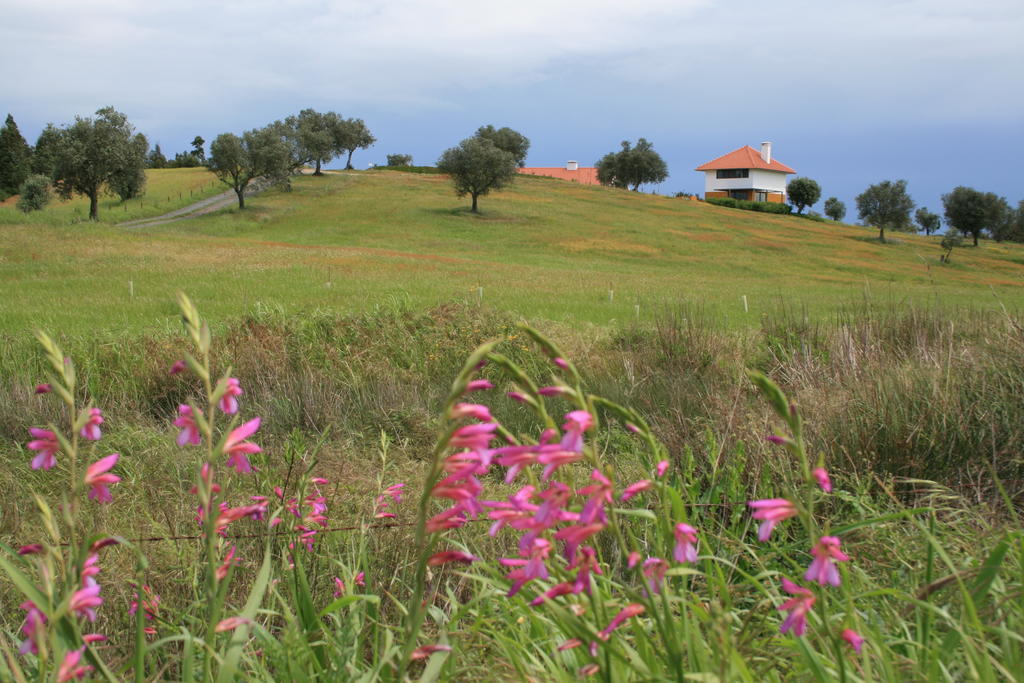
850, 92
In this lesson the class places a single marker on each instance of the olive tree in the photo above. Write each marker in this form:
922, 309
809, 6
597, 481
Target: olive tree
238, 160
835, 209
886, 205
476, 167
507, 140
971, 211
94, 155
802, 193
352, 135
35, 193
927, 221
631, 166
399, 160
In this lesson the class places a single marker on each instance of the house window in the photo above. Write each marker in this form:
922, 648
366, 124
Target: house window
762, 196
733, 173
740, 194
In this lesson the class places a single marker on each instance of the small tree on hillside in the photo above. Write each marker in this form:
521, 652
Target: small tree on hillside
507, 140
354, 135
802, 193
197, 147
631, 166
129, 181
319, 137
35, 193
44, 155
971, 211
927, 221
399, 160
476, 167
156, 158
835, 209
886, 205
15, 158
92, 155
237, 161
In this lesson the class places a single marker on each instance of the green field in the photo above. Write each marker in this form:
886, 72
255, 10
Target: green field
542, 249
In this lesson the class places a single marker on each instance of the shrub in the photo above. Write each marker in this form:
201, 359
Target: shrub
35, 193
723, 201
747, 205
813, 216
399, 160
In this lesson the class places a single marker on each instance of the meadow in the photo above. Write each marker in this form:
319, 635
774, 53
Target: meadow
350, 311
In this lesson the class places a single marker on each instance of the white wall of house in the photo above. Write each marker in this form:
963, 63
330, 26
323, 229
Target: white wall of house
758, 178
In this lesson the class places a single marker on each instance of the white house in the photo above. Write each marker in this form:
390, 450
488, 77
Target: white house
746, 174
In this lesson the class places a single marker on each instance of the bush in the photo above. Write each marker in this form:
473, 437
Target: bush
399, 160
812, 216
428, 170
747, 205
35, 193
723, 201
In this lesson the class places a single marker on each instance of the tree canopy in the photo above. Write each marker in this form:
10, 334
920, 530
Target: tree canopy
15, 158
476, 167
802, 193
399, 160
835, 209
971, 212
355, 135
507, 140
886, 205
631, 167
927, 221
237, 161
98, 154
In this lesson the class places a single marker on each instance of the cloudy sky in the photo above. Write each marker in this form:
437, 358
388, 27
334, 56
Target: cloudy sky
849, 91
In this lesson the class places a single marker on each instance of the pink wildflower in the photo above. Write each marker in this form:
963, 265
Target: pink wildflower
229, 560
554, 458
771, 511
452, 518
654, 570
177, 367
478, 385
392, 494
90, 638
662, 468
560, 362
570, 644
228, 403
598, 495
31, 549
686, 543
473, 410
823, 569
44, 388
230, 624
35, 622
189, 430
577, 422
425, 651
97, 476
474, 437
559, 589
635, 488
554, 391
633, 559
91, 430
775, 439
627, 612
824, 481
519, 396
855, 639
798, 607
589, 669
85, 600
339, 587
360, 579
150, 607
46, 443
70, 668
584, 563
238, 450
529, 569
446, 556
575, 535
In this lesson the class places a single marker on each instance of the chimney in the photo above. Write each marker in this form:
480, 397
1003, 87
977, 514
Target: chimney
571, 166
766, 152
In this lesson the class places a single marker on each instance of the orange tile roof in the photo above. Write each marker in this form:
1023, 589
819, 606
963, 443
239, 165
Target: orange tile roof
744, 157
584, 176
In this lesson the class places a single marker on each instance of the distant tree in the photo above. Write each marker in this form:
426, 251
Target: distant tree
92, 154
354, 135
185, 160
399, 160
803, 192
971, 212
35, 193
950, 241
476, 167
927, 221
15, 158
1017, 230
507, 140
44, 155
318, 137
156, 158
197, 147
631, 166
129, 181
886, 205
237, 161
835, 209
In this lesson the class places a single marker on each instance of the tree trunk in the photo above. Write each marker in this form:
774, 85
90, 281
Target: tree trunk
348, 163
881, 234
317, 171
94, 208
241, 197
474, 203
975, 239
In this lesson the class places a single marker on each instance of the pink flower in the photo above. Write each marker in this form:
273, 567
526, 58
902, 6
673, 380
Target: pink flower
577, 422
474, 437
798, 607
97, 476
230, 624
44, 388
570, 644
855, 639
633, 559
686, 543
559, 589
228, 403
392, 494
575, 535
425, 651
527, 570
339, 587
446, 556
589, 669
554, 391
31, 549
771, 511
478, 385
452, 518
654, 569
85, 600
189, 430
473, 410
821, 476
150, 607
46, 443
627, 612
360, 579
35, 622
635, 488
823, 569
662, 468
238, 450
229, 560
598, 495
91, 430
560, 362
519, 396
177, 367
777, 440
70, 667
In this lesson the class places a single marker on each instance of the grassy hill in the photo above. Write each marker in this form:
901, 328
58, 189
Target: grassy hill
543, 248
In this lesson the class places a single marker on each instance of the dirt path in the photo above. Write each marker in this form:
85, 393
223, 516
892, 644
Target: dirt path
200, 208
